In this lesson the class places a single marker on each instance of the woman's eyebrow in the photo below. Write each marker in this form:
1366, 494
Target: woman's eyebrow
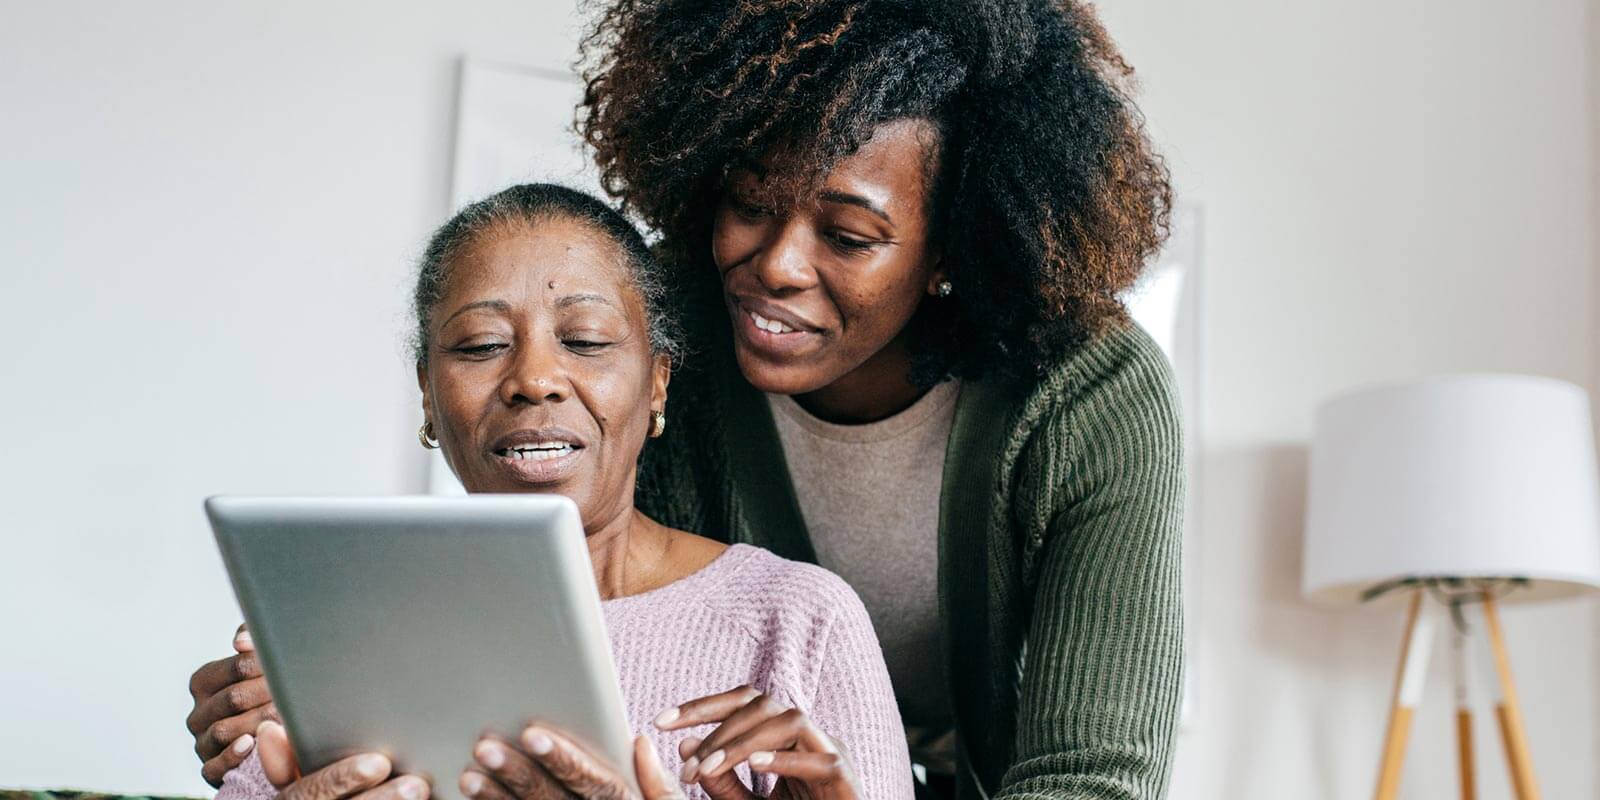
833, 196
493, 305
584, 297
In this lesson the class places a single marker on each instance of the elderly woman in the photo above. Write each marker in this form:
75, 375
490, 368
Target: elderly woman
543, 355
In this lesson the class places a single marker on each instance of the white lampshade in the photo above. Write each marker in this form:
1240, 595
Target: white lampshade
1469, 476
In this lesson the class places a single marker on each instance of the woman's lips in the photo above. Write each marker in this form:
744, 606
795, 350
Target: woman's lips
541, 465
771, 337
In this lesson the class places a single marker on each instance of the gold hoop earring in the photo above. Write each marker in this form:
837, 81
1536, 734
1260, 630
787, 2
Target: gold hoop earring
425, 435
658, 424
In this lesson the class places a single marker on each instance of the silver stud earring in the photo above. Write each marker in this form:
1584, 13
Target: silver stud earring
944, 289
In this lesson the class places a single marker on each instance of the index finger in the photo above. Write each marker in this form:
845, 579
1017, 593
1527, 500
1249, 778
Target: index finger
705, 710
213, 676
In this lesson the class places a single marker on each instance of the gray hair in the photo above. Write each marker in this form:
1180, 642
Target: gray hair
533, 202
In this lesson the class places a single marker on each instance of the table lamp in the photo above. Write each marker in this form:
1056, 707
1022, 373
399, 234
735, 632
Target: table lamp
1453, 494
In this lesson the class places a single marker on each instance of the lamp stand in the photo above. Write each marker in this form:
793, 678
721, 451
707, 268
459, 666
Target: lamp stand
1414, 652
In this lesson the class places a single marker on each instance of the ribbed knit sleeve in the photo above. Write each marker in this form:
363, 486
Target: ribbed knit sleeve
1101, 682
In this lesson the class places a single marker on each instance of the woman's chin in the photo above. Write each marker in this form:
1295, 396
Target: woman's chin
773, 378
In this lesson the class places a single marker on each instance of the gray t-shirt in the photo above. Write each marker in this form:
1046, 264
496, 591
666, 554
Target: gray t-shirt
869, 495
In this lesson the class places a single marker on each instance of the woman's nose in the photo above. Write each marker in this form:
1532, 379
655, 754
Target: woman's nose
537, 375
784, 264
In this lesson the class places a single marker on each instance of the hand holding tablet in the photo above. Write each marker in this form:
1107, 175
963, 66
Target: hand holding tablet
554, 768
409, 627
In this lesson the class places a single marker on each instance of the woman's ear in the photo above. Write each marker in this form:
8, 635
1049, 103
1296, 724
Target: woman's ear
936, 273
660, 376
422, 384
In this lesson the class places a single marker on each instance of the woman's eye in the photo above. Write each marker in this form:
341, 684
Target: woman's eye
585, 345
488, 348
850, 243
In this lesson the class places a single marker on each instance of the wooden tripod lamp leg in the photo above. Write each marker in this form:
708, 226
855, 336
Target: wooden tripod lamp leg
1414, 651
1463, 687
1508, 710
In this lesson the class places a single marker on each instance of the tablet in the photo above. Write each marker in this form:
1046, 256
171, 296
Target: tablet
411, 625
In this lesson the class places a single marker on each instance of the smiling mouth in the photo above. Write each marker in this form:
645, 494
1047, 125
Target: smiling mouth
538, 452
546, 463
772, 333
769, 325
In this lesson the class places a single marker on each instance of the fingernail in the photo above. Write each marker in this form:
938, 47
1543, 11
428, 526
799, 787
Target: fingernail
372, 766
471, 783
412, 790
712, 761
538, 743
489, 755
667, 717
243, 639
760, 758
689, 769
242, 744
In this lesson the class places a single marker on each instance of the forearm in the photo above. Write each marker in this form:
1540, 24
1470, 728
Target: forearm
1103, 682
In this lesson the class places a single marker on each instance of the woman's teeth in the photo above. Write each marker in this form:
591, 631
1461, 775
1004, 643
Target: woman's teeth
540, 453
769, 325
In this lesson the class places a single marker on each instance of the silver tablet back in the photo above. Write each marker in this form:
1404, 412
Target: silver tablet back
410, 625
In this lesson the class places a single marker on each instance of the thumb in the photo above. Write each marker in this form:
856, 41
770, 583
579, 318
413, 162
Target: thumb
242, 642
277, 757
726, 786
654, 780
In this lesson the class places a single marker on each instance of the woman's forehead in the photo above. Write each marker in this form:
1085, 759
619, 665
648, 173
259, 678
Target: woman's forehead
891, 167
544, 258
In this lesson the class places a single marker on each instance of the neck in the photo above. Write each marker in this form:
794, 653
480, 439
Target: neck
627, 553
878, 389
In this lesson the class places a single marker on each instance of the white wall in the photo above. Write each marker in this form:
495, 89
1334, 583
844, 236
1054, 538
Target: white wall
208, 216
207, 212
1392, 188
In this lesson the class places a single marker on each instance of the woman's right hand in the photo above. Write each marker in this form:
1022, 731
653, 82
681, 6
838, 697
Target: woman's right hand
230, 700
365, 774
545, 765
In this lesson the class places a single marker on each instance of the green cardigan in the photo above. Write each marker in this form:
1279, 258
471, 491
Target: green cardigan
1059, 555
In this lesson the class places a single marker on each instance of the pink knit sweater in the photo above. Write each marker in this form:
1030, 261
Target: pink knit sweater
792, 630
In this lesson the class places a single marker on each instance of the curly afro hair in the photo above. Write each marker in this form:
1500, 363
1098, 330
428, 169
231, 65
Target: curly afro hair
1048, 196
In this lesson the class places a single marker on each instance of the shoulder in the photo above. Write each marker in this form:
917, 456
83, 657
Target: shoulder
1121, 365
774, 589
1115, 393
1102, 422
800, 613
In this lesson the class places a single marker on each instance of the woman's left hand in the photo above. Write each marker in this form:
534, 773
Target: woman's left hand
757, 730
545, 765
